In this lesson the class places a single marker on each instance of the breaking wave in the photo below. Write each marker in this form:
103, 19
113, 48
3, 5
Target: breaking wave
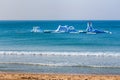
97, 54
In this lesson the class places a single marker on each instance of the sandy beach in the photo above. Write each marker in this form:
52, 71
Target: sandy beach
34, 76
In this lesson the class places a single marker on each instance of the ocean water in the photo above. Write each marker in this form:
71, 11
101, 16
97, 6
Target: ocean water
24, 51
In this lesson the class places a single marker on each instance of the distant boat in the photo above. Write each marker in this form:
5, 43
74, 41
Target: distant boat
36, 29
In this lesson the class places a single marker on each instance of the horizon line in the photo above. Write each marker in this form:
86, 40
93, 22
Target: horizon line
60, 20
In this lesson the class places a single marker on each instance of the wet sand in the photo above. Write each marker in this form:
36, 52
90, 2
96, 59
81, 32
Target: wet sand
40, 76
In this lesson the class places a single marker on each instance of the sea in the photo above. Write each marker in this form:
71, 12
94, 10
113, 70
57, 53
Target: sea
24, 51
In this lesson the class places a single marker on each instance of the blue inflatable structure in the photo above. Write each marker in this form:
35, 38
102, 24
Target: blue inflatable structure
62, 29
70, 29
90, 29
66, 29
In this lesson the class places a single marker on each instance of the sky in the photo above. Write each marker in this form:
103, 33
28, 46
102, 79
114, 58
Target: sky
59, 9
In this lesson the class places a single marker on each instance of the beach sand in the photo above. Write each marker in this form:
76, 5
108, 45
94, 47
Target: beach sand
33, 76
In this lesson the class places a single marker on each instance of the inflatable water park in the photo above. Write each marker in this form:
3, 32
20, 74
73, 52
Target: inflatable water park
70, 29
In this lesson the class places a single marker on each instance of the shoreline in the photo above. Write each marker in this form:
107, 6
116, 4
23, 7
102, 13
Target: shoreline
55, 76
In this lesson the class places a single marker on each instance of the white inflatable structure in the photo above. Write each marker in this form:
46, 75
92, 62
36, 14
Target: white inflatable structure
36, 29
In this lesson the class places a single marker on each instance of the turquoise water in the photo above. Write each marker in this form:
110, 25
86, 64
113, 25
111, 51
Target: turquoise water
24, 51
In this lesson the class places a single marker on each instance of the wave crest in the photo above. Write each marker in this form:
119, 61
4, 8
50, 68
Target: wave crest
97, 54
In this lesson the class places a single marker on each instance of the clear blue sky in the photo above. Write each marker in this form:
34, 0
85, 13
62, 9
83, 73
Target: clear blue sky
59, 9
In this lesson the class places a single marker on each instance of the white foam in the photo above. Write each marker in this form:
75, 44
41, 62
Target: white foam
34, 64
97, 54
